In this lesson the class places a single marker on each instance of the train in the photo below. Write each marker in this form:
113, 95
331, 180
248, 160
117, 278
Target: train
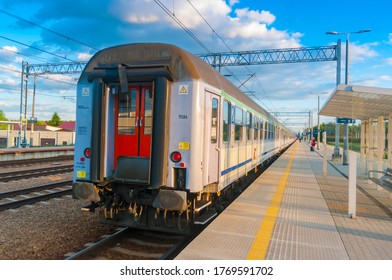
163, 140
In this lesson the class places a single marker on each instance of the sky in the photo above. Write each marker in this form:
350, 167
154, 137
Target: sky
73, 30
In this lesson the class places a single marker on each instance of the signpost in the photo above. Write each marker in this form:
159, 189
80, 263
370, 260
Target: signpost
32, 120
345, 120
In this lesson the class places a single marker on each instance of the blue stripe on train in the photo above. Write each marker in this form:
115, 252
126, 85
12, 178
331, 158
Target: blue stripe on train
235, 167
224, 172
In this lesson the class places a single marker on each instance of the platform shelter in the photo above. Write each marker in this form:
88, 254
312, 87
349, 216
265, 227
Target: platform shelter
373, 107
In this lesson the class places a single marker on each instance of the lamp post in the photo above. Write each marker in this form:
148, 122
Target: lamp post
345, 138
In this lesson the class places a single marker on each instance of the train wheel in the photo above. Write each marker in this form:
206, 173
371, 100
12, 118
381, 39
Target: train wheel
110, 210
183, 221
137, 211
158, 217
167, 219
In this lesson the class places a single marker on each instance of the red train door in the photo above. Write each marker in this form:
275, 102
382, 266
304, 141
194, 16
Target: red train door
133, 122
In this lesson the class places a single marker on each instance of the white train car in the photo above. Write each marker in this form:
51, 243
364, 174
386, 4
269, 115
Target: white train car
162, 139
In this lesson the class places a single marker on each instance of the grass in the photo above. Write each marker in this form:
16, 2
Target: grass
356, 147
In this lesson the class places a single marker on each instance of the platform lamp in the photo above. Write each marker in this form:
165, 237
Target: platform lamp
345, 143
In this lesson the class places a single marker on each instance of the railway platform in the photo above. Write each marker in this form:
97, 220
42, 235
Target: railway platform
293, 212
12, 154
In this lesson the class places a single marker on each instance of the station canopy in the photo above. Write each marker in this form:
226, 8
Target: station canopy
358, 102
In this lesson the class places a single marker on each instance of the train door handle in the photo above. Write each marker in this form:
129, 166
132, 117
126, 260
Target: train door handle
137, 122
141, 121
218, 149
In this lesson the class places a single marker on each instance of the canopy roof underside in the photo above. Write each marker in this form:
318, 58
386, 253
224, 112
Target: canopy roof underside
358, 102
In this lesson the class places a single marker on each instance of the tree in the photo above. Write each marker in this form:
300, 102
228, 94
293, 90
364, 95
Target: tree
55, 121
3, 118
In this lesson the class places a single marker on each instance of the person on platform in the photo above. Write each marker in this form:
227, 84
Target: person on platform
313, 144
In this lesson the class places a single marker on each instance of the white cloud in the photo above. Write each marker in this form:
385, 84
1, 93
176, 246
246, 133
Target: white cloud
390, 38
389, 60
8, 53
233, 2
9, 82
142, 18
10, 48
360, 52
385, 78
84, 56
241, 29
255, 16
135, 11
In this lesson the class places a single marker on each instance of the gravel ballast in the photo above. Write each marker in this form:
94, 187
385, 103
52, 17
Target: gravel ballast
47, 230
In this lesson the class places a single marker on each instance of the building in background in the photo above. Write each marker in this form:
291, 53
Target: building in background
39, 135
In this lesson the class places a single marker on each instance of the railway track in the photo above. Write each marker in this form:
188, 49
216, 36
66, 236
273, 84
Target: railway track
37, 172
28, 196
29, 162
131, 244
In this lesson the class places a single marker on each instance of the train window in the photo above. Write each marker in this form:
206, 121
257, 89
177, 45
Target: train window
248, 124
268, 131
126, 112
275, 131
226, 118
147, 111
214, 121
256, 122
261, 129
238, 124
232, 115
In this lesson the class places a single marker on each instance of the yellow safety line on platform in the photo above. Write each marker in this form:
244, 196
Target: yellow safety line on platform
264, 234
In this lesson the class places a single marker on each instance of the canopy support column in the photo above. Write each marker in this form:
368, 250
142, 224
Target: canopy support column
380, 143
389, 151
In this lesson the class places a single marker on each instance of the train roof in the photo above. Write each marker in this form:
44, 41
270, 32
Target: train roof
171, 61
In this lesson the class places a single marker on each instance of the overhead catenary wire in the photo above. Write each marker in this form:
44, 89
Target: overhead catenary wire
190, 33
35, 48
56, 80
209, 25
39, 93
47, 78
231, 50
47, 29
10, 70
23, 54
63, 57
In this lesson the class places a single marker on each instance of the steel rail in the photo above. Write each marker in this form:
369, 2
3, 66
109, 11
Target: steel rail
99, 246
17, 175
35, 189
32, 200
22, 162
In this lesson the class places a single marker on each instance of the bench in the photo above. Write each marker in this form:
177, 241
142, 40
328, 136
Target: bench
385, 181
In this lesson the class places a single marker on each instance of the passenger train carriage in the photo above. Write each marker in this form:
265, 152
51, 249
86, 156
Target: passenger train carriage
162, 139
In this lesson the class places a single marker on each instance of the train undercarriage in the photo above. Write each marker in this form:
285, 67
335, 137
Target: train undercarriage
162, 209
